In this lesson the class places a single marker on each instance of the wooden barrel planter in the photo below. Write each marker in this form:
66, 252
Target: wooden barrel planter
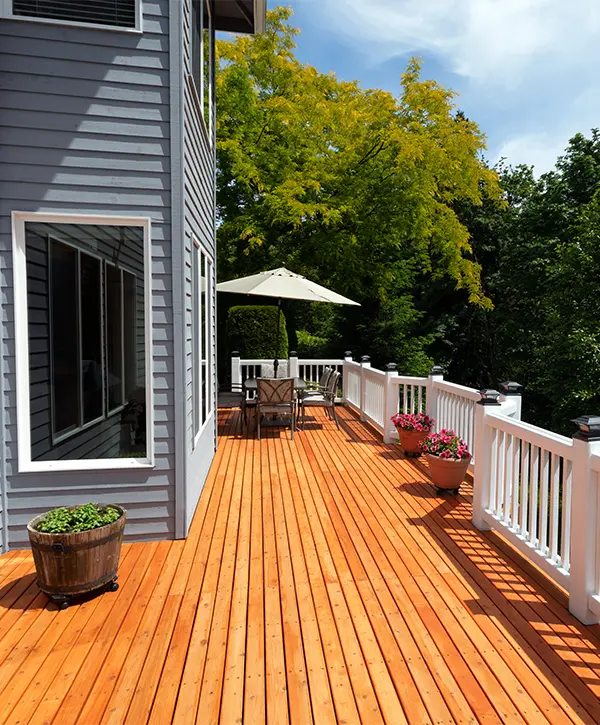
68, 565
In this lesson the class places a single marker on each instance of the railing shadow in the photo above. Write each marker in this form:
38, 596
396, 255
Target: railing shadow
509, 587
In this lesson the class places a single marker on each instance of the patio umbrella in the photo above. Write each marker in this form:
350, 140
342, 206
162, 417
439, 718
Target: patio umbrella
283, 284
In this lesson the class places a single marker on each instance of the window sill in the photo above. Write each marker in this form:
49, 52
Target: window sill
71, 23
93, 464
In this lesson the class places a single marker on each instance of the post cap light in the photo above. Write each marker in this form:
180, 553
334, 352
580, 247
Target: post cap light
293, 353
391, 367
235, 353
348, 353
589, 427
489, 396
365, 358
511, 388
436, 370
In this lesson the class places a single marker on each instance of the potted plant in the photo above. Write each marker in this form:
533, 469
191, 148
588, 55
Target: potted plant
448, 459
76, 550
412, 429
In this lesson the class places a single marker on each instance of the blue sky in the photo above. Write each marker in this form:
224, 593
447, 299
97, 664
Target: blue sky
527, 71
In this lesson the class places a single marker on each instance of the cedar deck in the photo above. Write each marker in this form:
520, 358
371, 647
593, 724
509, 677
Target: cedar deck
323, 581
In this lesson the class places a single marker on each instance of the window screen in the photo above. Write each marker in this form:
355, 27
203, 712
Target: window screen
117, 13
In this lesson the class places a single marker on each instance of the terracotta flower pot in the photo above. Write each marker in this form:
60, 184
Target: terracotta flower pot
447, 473
410, 440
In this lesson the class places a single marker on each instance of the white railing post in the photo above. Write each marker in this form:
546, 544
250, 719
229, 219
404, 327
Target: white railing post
346, 368
390, 405
512, 391
236, 369
365, 362
293, 365
482, 472
435, 376
584, 519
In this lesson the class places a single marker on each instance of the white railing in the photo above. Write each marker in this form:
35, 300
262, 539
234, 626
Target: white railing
412, 394
593, 598
537, 489
352, 384
529, 479
456, 410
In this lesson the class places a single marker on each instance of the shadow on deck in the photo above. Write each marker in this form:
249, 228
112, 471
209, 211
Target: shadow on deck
323, 581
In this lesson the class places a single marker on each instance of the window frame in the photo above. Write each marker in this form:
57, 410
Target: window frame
198, 93
21, 316
112, 411
6, 12
198, 331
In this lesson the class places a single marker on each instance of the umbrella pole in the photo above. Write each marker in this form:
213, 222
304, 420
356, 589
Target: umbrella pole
276, 360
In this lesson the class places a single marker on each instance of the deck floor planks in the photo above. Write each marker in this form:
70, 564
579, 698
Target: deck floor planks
254, 672
104, 682
323, 581
185, 638
410, 625
436, 565
502, 601
487, 619
340, 684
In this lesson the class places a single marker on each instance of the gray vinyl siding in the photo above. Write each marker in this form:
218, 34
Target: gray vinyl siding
84, 128
199, 223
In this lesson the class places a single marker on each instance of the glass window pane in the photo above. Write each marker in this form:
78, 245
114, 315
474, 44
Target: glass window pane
196, 335
64, 337
114, 337
87, 340
203, 309
91, 338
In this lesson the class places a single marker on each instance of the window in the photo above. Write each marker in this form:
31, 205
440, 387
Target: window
83, 355
116, 14
202, 58
202, 281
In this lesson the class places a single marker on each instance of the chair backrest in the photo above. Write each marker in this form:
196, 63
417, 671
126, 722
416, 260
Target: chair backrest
274, 391
325, 377
332, 383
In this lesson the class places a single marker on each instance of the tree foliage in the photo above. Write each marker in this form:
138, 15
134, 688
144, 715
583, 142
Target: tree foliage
491, 272
541, 266
354, 188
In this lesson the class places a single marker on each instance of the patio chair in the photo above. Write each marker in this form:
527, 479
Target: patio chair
322, 398
321, 386
276, 396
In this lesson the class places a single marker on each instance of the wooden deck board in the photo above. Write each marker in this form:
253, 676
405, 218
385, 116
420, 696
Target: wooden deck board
323, 581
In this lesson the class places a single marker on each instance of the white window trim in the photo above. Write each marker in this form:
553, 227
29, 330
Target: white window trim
6, 12
197, 250
25, 464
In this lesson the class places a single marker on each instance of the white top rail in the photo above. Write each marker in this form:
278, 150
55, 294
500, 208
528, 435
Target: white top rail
462, 391
553, 442
408, 380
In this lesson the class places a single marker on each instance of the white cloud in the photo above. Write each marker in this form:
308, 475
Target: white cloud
487, 41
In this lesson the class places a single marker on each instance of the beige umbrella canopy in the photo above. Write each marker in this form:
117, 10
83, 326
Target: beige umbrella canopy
283, 284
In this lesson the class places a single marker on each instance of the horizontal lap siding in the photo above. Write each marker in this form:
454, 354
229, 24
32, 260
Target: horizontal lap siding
199, 223
84, 128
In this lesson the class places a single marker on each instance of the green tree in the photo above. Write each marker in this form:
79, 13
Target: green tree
355, 188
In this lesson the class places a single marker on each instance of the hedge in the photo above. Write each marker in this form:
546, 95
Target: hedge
252, 331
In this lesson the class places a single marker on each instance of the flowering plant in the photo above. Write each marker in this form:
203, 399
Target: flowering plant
413, 421
445, 444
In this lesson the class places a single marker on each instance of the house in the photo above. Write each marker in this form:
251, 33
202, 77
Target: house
107, 244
